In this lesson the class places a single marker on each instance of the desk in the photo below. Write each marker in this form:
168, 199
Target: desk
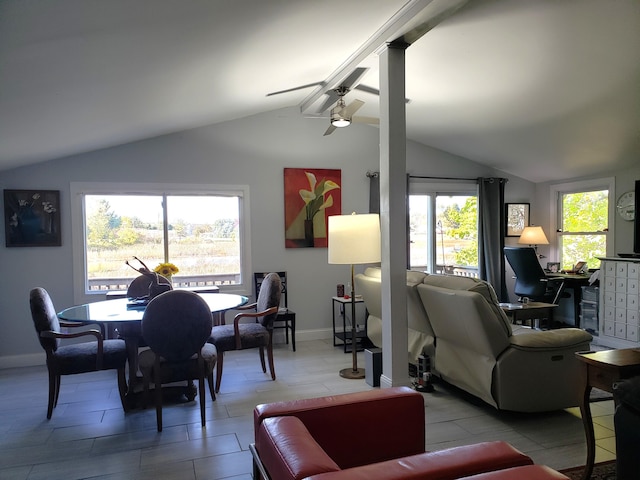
534, 311
116, 313
601, 370
574, 281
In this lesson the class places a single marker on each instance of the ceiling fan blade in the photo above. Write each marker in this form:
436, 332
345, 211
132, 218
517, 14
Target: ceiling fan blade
352, 108
314, 84
332, 97
368, 120
354, 77
348, 83
374, 91
329, 130
365, 88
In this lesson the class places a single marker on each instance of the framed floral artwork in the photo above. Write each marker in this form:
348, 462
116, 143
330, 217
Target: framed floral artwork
517, 217
311, 195
32, 218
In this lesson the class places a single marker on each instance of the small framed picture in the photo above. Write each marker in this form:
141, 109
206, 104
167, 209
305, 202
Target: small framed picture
32, 218
517, 217
553, 267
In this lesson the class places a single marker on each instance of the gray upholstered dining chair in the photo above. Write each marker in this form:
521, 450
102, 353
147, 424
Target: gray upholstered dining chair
74, 358
257, 334
176, 326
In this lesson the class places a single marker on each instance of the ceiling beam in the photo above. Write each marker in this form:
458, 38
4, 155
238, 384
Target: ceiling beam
408, 25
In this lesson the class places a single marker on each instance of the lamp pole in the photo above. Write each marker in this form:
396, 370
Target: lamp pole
354, 371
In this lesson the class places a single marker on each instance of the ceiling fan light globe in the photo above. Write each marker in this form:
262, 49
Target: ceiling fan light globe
340, 122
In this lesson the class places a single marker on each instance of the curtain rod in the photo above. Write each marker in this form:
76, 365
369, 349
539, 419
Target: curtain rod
477, 179
445, 178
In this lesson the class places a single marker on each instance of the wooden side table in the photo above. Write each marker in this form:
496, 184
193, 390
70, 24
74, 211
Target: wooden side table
534, 311
601, 370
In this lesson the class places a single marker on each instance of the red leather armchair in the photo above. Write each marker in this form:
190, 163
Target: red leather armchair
378, 434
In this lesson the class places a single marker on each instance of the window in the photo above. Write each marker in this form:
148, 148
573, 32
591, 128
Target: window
201, 229
444, 228
583, 213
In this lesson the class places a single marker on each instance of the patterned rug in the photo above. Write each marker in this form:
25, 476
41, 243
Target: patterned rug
601, 471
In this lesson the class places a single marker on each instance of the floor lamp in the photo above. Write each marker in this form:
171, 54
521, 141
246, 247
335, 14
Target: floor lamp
354, 239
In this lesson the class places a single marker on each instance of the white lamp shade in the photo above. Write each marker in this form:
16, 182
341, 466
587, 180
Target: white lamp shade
354, 239
533, 236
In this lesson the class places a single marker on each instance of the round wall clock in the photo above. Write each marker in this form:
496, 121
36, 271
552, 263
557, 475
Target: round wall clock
626, 206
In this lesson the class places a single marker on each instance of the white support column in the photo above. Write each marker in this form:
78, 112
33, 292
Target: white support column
393, 190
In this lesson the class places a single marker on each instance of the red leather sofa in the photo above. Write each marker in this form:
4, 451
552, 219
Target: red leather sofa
378, 434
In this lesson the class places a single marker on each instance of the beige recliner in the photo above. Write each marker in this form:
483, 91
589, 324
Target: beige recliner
508, 366
420, 333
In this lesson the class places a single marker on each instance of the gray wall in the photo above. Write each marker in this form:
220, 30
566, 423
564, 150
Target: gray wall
251, 151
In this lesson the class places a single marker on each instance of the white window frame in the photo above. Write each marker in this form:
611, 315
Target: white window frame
418, 186
78, 190
555, 192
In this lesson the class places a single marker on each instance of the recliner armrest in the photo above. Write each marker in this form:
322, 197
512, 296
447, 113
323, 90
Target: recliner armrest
288, 452
448, 464
363, 419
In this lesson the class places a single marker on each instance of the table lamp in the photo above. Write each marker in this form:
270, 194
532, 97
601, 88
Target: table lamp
534, 236
354, 239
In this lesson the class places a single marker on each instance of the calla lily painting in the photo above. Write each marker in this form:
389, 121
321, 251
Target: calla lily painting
311, 195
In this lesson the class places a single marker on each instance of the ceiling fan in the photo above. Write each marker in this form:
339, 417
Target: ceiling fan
342, 114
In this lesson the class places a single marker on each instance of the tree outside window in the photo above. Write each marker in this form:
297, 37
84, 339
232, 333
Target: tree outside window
583, 229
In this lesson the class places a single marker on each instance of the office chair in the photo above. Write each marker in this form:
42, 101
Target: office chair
531, 280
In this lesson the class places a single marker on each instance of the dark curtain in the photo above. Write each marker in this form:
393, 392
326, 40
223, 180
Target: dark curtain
491, 228
374, 192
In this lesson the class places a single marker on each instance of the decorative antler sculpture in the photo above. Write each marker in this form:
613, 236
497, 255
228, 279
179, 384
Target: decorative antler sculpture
155, 287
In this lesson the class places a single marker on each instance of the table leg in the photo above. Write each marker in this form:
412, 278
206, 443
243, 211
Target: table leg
132, 344
587, 422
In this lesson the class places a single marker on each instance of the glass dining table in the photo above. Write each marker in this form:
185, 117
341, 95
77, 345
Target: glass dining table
126, 316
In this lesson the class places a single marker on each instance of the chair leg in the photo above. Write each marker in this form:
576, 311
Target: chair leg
52, 393
293, 333
211, 387
122, 387
219, 371
157, 386
264, 366
203, 413
55, 401
270, 357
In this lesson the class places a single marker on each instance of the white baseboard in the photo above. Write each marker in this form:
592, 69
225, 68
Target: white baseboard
304, 335
36, 359
28, 360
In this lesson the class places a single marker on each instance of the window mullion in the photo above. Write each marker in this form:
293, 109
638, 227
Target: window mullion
165, 227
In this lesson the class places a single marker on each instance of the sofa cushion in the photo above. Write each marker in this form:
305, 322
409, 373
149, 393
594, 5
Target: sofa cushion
528, 472
524, 338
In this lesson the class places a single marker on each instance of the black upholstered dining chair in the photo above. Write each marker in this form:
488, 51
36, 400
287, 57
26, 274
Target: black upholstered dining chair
176, 326
257, 334
286, 318
73, 358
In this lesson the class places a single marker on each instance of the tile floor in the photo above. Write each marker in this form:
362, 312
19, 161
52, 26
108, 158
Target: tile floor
89, 436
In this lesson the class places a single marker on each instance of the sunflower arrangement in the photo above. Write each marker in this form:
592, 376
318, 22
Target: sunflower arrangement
167, 270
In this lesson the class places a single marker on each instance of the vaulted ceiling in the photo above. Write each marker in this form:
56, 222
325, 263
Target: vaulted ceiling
544, 89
